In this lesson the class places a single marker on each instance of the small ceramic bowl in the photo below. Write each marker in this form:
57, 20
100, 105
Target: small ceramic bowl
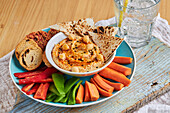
58, 38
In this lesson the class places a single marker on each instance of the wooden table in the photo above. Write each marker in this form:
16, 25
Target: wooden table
20, 17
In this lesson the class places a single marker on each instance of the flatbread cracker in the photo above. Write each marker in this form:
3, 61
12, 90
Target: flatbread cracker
107, 44
68, 27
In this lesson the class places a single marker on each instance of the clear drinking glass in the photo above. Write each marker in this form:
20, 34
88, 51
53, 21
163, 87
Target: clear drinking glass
135, 19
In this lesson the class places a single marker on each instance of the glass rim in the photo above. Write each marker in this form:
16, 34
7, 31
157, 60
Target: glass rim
139, 8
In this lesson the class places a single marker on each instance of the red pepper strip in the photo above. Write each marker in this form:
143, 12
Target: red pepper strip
27, 87
38, 77
49, 71
33, 79
33, 90
31, 73
45, 80
41, 93
27, 74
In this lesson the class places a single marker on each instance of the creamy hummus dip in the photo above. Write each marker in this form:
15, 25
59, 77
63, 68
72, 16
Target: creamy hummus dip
77, 54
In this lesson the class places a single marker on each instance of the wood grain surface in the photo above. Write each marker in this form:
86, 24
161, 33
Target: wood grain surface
20, 17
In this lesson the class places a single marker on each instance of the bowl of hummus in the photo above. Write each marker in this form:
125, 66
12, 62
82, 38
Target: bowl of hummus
75, 55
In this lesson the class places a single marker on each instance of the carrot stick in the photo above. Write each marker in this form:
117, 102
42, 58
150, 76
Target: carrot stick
117, 86
80, 94
120, 68
114, 75
101, 91
94, 94
98, 79
87, 93
122, 60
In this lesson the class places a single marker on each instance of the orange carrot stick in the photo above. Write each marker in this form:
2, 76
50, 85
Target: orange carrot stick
101, 91
120, 68
94, 94
80, 94
98, 79
114, 75
117, 86
122, 60
87, 93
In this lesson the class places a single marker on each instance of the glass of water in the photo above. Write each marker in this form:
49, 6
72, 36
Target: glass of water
135, 19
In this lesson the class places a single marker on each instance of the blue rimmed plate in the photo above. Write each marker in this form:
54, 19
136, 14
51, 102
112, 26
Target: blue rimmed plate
123, 50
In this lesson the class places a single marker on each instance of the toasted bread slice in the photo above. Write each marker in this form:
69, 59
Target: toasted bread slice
31, 58
24, 44
40, 37
52, 32
44, 58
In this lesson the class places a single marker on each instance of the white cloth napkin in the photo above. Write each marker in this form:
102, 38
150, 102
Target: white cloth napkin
161, 28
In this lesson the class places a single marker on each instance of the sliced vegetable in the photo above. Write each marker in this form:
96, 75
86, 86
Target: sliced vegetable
69, 84
114, 75
34, 79
47, 71
59, 82
101, 91
94, 94
49, 95
117, 86
53, 89
51, 98
45, 80
122, 60
33, 90
80, 94
27, 87
41, 93
66, 97
120, 68
58, 98
72, 99
50, 70
98, 79
27, 74
87, 93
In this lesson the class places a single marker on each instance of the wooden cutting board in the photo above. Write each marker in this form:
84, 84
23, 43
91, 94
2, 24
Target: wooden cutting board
151, 79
